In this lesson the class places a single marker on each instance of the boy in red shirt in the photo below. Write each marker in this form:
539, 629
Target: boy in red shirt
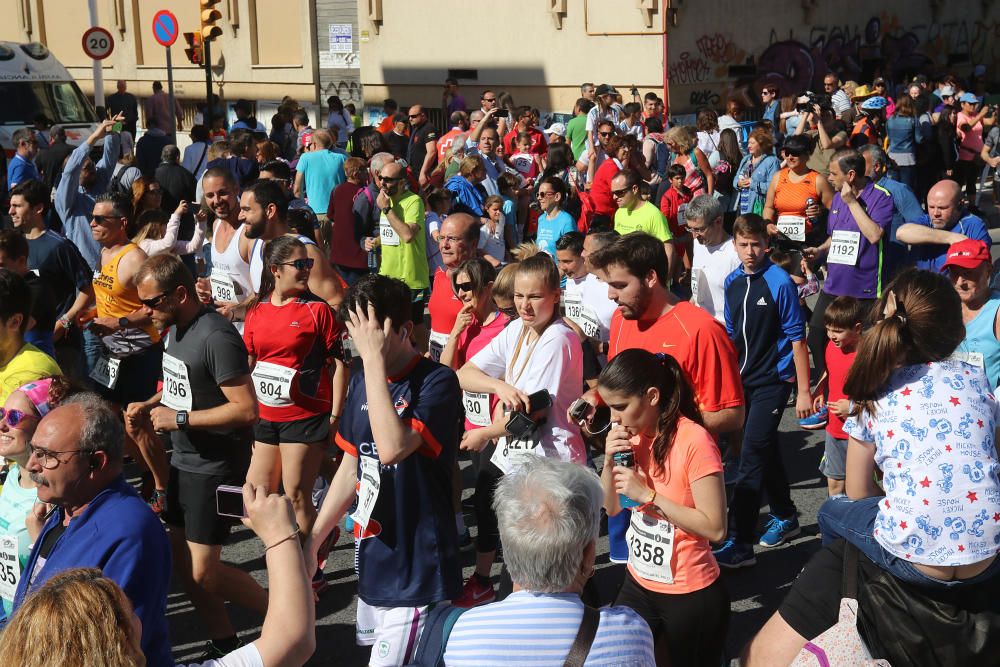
843, 318
672, 205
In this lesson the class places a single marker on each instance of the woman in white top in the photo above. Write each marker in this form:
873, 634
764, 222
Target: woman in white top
537, 352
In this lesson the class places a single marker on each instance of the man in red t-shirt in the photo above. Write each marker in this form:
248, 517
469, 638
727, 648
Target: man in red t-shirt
458, 239
538, 144
459, 126
651, 318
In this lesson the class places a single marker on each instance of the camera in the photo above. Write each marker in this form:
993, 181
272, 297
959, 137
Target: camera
805, 102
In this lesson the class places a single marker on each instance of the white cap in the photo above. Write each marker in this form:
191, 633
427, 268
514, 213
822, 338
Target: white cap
947, 91
557, 129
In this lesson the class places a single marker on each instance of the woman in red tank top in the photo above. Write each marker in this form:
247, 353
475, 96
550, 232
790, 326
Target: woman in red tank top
787, 208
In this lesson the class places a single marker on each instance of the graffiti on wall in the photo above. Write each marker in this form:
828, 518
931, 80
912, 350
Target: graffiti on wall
799, 60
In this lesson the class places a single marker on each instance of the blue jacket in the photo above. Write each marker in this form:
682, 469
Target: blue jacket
763, 318
760, 179
468, 198
119, 534
904, 133
75, 203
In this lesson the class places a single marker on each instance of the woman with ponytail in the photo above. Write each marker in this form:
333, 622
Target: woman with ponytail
928, 422
675, 489
293, 340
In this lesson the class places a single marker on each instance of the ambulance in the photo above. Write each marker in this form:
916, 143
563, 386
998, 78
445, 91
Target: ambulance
33, 82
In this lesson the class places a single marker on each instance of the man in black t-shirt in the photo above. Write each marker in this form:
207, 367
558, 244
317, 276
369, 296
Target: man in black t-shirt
14, 257
422, 151
208, 406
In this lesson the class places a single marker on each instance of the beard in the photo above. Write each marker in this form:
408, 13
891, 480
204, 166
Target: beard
635, 309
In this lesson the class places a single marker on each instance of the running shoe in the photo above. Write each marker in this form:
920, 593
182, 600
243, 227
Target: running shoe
732, 555
778, 531
815, 421
475, 593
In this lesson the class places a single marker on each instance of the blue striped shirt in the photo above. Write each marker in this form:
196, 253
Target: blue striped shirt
530, 628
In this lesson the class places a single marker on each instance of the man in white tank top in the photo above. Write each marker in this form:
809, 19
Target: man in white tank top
229, 284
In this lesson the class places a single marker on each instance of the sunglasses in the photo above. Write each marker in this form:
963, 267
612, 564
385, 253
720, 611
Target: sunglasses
510, 312
415, 115
390, 179
543, 195
619, 193
14, 417
464, 287
155, 302
104, 219
299, 264
605, 134
489, 99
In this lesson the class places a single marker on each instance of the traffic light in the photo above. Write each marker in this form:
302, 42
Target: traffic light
195, 52
209, 15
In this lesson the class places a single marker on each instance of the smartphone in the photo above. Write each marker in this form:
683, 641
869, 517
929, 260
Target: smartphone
539, 401
579, 409
229, 502
519, 425
501, 113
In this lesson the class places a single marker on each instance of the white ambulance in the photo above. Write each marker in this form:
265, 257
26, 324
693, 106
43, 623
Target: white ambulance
33, 82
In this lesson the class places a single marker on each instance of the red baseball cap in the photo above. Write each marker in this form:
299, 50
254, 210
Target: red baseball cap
967, 254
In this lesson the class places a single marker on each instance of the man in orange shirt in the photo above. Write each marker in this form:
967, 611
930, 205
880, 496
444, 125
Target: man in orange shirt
391, 108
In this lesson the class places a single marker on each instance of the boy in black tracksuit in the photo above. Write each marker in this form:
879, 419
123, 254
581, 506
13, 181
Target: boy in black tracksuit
764, 319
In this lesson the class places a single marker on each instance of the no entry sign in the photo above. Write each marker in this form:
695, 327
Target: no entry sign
165, 27
98, 43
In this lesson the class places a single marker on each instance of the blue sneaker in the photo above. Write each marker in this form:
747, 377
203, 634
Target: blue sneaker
815, 421
778, 531
732, 555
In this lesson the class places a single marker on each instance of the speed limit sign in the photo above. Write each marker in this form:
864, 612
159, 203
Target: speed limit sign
98, 43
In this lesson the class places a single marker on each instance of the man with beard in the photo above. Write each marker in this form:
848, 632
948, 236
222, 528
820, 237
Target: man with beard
96, 520
81, 183
208, 406
229, 283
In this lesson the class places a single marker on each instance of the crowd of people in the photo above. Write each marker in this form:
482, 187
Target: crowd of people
307, 330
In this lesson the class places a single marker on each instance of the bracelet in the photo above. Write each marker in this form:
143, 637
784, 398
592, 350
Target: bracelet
293, 536
648, 502
334, 417
66, 322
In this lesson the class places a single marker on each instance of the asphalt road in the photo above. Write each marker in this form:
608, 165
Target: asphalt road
755, 591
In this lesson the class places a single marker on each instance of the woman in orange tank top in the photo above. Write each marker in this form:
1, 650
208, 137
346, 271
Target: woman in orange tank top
786, 208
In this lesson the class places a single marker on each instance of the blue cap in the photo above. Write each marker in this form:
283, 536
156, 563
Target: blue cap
969, 97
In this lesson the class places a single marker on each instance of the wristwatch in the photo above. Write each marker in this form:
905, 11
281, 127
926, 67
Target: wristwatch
386, 210
182, 420
123, 323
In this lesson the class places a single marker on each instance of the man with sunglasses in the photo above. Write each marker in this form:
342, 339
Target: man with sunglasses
635, 214
20, 362
207, 406
96, 519
422, 148
487, 103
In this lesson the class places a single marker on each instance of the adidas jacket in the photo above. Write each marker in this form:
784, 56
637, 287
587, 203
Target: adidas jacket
763, 318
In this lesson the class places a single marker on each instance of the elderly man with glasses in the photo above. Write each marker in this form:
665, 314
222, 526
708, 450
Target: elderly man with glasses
89, 516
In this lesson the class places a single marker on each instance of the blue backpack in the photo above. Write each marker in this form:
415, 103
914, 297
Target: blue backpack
430, 649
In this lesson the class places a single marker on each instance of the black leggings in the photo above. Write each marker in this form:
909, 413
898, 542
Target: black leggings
488, 535
693, 625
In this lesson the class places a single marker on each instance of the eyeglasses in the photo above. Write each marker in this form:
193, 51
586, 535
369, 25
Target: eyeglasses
787, 155
464, 287
606, 134
697, 231
104, 219
14, 417
49, 459
543, 195
299, 264
489, 99
155, 302
617, 194
415, 115
450, 239
391, 179
510, 312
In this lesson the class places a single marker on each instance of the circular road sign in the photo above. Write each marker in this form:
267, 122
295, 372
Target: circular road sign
98, 43
165, 27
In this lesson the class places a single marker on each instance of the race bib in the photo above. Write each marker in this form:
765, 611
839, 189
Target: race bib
436, 345
651, 547
509, 449
974, 358
573, 304
588, 322
105, 372
682, 211
176, 385
273, 384
371, 481
10, 567
386, 232
223, 287
695, 285
844, 248
792, 226
477, 408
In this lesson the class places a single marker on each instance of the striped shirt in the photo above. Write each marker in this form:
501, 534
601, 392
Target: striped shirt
529, 628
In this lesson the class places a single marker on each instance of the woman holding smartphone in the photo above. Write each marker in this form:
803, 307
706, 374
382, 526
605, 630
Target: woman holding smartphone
535, 354
662, 463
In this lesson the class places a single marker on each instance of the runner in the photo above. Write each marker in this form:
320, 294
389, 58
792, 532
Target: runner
399, 439
293, 340
678, 497
207, 406
714, 256
586, 306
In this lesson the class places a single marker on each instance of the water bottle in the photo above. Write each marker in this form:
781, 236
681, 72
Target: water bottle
810, 219
626, 459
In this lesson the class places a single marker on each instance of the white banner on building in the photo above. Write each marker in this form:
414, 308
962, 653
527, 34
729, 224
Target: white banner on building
341, 35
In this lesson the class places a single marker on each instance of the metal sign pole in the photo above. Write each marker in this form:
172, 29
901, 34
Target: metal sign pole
170, 92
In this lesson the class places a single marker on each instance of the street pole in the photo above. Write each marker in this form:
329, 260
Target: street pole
170, 93
207, 49
97, 69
